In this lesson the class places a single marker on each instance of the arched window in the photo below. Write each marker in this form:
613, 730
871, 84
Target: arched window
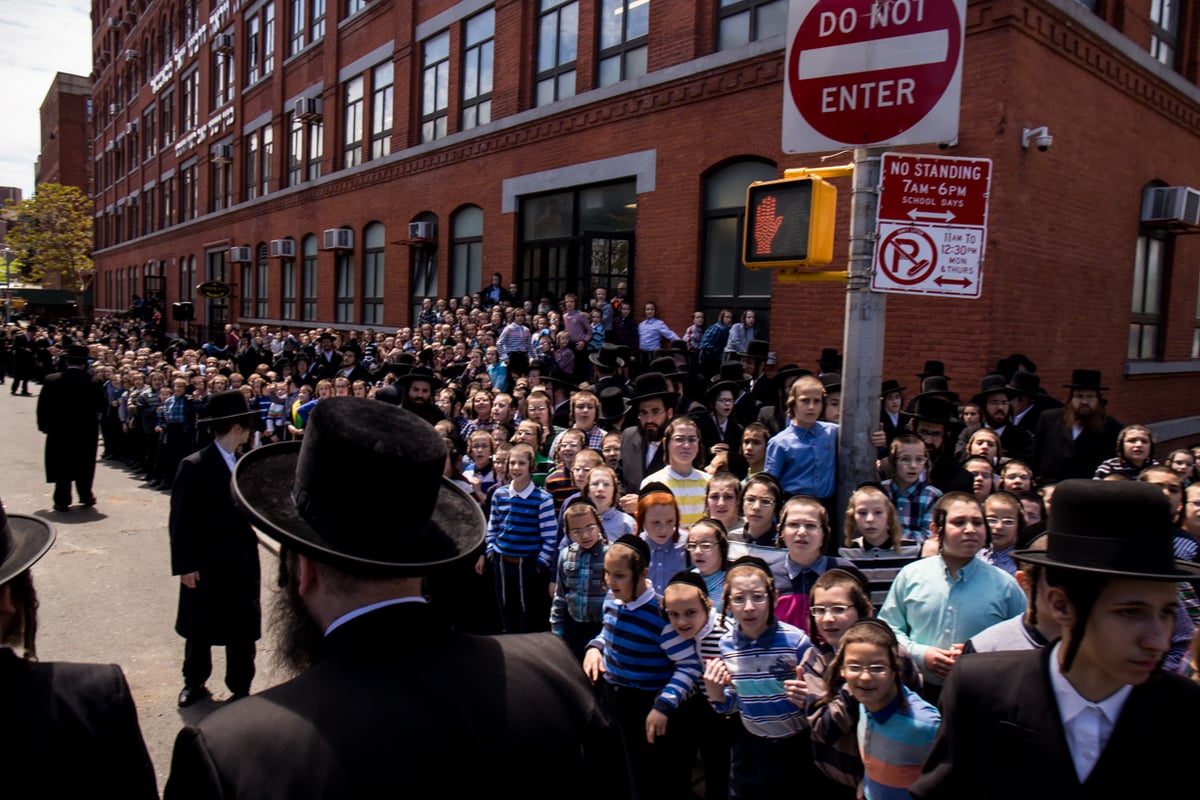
424, 281
724, 281
466, 251
372, 293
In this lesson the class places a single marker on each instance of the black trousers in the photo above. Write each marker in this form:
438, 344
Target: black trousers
659, 771
83, 487
239, 665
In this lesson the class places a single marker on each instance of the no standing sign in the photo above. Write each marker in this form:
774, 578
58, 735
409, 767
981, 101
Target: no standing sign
872, 72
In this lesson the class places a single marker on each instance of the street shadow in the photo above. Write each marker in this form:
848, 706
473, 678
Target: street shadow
78, 515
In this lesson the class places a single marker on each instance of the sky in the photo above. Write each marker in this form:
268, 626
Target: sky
39, 39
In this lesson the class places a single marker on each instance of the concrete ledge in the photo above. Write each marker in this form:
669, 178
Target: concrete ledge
1161, 367
1177, 428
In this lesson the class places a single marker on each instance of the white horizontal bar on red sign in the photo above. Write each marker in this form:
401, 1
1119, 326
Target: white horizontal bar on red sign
911, 50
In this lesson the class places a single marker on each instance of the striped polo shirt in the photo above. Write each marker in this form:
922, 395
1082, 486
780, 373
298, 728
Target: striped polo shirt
894, 742
688, 491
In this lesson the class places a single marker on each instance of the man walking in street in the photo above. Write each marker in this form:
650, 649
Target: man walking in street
68, 412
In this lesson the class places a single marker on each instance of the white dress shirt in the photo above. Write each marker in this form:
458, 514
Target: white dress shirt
1087, 725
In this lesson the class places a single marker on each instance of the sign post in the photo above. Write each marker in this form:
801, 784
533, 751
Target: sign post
932, 225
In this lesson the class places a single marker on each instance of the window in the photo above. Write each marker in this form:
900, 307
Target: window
466, 257
435, 96
148, 217
316, 148
253, 165
268, 40
296, 21
1149, 287
372, 302
254, 52
1196, 331
318, 19
558, 46
724, 281
223, 76
267, 158
352, 92
149, 133
288, 287
166, 108
247, 290
424, 279
381, 110
261, 282
221, 190
740, 22
478, 58
166, 202
343, 287
295, 150
355, 6
191, 17
189, 193
624, 26
1164, 30
190, 100
308, 282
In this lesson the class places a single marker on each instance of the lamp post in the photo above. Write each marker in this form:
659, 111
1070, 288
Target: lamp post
8, 254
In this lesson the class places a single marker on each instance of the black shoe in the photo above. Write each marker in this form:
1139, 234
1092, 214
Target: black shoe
233, 698
26, 394
91, 501
57, 507
192, 695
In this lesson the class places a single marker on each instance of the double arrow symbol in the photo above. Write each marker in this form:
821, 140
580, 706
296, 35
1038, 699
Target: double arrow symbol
963, 282
944, 216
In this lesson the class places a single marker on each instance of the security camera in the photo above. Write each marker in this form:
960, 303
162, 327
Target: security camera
1039, 136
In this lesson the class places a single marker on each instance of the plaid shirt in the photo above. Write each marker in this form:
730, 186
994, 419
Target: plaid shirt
579, 592
914, 506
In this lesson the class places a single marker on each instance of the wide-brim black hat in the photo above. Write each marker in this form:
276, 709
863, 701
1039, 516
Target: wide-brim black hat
832, 382
932, 368
1085, 379
1117, 528
650, 385
614, 405
889, 386
927, 408
990, 385
420, 374
938, 386
830, 358
77, 354
1025, 383
563, 379
790, 370
228, 405
607, 357
295, 492
23, 541
758, 349
666, 365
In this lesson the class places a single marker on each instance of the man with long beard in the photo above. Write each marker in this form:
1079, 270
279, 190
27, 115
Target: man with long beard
388, 700
1072, 441
653, 403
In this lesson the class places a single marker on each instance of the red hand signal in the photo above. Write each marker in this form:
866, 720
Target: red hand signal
766, 225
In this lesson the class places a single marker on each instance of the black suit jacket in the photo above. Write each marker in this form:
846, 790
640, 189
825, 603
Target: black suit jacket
70, 730
633, 459
1002, 737
1057, 456
210, 536
399, 705
68, 411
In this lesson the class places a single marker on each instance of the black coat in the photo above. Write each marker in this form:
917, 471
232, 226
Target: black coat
633, 460
398, 705
1002, 737
69, 409
1057, 457
70, 730
210, 536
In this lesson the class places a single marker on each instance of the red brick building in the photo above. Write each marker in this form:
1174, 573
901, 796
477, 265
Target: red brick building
66, 156
336, 162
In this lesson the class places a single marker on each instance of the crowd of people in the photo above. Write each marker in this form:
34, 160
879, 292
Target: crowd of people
665, 505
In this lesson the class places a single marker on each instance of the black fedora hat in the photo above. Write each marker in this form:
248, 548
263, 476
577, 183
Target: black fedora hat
556, 376
937, 386
832, 382
77, 354
791, 370
732, 371
613, 405
420, 374
929, 408
889, 386
664, 364
607, 357
1120, 528
989, 385
1017, 362
23, 540
830, 360
758, 349
1027, 384
295, 492
650, 385
1085, 379
226, 405
932, 368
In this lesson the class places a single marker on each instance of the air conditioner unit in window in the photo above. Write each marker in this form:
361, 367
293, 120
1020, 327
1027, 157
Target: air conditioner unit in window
133, 200
131, 127
222, 153
339, 239
243, 254
421, 231
224, 43
114, 22
283, 248
1176, 207
114, 108
307, 108
132, 55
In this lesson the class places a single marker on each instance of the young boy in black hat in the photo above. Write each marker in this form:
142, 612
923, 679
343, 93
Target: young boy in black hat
1094, 715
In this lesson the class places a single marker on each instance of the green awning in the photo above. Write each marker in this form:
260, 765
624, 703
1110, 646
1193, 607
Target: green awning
51, 297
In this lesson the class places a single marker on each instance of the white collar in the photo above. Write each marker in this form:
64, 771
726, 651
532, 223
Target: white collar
358, 612
642, 599
524, 493
230, 458
1071, 703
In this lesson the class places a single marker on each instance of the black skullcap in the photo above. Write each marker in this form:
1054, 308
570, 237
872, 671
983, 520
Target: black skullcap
690, 578
750, 561
634, 542
654, 488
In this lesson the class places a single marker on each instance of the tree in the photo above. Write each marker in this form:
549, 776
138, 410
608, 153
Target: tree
52, 233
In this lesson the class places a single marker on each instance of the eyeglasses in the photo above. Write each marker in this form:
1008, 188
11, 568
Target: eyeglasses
796, 527
765, 502
874, 670
689, 440
1004, 522
590, 529
703, 547
758, 598
835, 611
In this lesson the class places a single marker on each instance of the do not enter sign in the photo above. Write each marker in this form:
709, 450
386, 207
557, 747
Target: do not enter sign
871, 72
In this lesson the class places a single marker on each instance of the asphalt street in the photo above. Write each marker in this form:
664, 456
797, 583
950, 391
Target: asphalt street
105, 589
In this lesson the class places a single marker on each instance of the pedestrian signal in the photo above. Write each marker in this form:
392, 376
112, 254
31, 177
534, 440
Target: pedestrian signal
789, 223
